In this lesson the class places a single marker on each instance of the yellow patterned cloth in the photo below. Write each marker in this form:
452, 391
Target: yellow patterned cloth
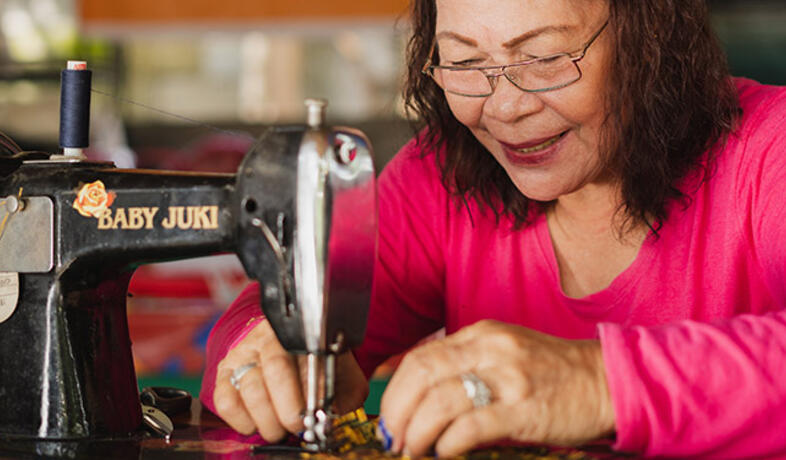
354, 438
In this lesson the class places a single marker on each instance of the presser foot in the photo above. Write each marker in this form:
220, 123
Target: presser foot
318, 419
319, 427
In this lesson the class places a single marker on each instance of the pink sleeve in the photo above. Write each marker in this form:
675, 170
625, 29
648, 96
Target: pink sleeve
717, 389
761, 185
407, 301
231, 328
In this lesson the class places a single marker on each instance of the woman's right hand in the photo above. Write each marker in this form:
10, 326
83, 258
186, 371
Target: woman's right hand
270, 398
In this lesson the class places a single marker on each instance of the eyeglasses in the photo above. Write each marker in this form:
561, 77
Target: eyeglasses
536, 75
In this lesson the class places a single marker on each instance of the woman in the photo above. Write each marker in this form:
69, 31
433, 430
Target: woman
592, 213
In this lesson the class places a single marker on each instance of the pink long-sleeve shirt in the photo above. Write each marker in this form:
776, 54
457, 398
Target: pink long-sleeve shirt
693, 332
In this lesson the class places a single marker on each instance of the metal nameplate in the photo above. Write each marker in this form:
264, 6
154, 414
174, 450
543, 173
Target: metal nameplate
27, 238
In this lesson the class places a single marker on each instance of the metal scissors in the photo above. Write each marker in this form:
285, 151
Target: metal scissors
161, 403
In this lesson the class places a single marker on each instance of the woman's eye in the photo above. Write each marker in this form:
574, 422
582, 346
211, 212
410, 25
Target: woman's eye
550, 59
464, 63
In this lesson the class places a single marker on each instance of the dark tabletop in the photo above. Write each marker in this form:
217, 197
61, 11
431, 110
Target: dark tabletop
199, 434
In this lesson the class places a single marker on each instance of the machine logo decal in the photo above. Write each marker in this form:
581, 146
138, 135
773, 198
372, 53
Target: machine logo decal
133, 218
196, 217
179, 217
92, 200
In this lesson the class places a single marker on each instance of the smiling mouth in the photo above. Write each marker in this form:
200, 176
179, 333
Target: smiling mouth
545, 144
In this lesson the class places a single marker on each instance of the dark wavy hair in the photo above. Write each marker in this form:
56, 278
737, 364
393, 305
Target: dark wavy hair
670, 101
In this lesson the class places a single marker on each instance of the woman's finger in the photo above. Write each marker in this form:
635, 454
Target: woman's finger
282, 380
229, 404
302, 365
256, 398
421, 369
351, 384
479, 426
439, 407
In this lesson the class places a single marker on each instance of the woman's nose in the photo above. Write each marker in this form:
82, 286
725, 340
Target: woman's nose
508, 103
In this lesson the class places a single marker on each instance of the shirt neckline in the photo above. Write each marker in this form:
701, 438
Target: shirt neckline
600, 302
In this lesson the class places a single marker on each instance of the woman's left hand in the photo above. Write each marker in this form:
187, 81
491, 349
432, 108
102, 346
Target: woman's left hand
543, 389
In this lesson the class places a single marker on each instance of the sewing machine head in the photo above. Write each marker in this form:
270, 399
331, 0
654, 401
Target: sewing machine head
319, 259
299, 213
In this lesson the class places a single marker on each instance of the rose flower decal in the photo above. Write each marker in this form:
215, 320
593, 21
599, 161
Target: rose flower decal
93, 199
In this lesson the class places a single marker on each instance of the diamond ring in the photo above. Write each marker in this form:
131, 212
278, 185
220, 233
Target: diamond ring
239, 372
477, 390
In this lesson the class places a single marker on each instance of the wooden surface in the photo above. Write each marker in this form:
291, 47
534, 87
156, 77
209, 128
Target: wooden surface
152, 12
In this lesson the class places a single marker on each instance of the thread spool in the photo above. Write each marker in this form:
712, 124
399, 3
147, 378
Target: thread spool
75, 83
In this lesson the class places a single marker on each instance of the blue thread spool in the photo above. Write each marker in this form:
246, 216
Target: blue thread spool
75, 108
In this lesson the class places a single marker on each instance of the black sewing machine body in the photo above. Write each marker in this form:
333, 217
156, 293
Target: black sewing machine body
74, 231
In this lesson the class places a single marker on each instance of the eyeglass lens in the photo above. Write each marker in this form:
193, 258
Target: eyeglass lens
543, 74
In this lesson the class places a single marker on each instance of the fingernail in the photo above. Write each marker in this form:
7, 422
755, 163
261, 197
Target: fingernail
384, 435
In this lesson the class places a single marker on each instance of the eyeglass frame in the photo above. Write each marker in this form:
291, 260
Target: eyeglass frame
428, 68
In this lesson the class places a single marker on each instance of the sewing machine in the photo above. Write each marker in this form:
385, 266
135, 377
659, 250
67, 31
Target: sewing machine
299, 213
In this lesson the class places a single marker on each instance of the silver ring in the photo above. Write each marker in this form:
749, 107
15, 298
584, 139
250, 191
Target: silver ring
239, 372
477, 390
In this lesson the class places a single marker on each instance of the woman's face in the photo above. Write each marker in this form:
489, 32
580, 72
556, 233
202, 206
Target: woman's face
547, 142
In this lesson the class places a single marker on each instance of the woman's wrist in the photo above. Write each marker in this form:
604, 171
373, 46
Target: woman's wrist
249, 326
606, 417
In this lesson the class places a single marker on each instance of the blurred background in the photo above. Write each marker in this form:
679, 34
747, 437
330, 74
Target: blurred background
188, 84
